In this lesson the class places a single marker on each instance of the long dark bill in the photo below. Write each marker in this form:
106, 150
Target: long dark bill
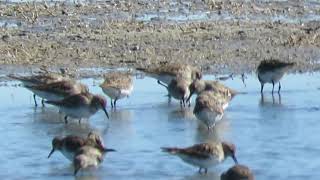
51, 152
109, 150
105, 111
234, 159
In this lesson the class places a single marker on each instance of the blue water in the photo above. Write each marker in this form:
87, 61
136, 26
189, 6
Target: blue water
277, 139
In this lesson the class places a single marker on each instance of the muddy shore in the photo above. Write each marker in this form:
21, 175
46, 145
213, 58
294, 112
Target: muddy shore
221, 37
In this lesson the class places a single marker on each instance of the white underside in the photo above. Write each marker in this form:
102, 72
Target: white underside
88, 161
225, 105
203, 163
208, 117
83, 112
115, 93
268, 77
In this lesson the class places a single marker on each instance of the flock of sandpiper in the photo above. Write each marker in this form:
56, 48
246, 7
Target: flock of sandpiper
74, 100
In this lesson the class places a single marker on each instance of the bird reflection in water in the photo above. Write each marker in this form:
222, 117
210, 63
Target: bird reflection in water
184, 113
276, 100
218, 131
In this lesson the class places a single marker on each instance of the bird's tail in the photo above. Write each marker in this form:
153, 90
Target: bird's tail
170, 150
16, 77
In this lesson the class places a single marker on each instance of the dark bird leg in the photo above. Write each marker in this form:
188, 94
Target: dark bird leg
114, 103
205, 170
42, 102
35, 101
66, 119
184, 102
200, 170
273, 99
272, 86
279, 87
261, 90
279, 98
79, 120
111, 103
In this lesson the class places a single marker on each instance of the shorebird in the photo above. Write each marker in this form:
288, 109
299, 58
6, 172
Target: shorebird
44, 78
210, 107
80, 105
238, 172
178, 88
271, 71
39, 79
198, 86
56, 91
117, 86
69, 145
166, 73
204, 155
88, 156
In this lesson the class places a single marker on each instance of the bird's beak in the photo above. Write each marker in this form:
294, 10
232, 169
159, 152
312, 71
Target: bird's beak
109, 150
234, 159
52, 151
105, 111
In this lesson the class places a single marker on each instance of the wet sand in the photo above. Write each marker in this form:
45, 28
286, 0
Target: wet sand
221, 37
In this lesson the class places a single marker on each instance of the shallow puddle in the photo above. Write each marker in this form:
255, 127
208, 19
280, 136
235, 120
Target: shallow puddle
277, 137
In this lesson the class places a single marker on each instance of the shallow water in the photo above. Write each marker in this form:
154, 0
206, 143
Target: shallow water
276, 138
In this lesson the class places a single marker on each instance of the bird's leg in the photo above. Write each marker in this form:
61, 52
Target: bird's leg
205, 170
115, 102
199, 170
184, 102
279, 88
279, 98
79, 120
42, 102
66, 119
181, 104
272, 86
111, 103
261, 91
35, 101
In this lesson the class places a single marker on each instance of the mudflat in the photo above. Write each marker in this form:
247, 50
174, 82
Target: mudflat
221, 37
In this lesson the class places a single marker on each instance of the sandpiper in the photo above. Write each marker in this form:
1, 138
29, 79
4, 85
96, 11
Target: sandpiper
238, 172
204, 155
57, 90
210, 107
91, 154
88, 156
44, 78
178, 88
69, 145
271, 71
168, 72
39, 79
198, 86
80, 105
117, 86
